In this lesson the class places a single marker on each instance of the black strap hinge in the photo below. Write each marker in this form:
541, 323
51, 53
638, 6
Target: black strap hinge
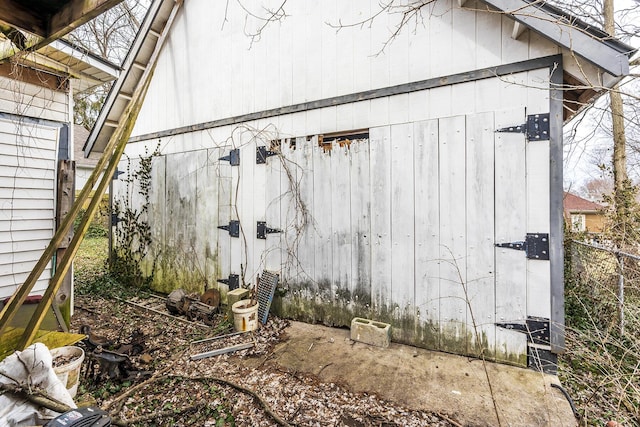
262, 153
536, 328
263, 230
116, 174
536, 128
233, 158
115, 219
233, 228
536, 246
233, 281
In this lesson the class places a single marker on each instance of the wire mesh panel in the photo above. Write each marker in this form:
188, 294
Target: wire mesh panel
266, 288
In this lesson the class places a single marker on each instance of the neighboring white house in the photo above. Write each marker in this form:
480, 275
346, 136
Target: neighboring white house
416, 182
36, 113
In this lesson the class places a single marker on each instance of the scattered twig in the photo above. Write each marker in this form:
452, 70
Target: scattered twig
256, 396
121, 398
167, 413
450, 421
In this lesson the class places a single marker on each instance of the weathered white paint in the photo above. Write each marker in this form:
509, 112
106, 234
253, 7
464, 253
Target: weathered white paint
401, 225
511, 275
30, 100
302, 58
28, 156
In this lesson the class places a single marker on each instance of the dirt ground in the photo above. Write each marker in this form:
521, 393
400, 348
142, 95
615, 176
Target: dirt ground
304, 375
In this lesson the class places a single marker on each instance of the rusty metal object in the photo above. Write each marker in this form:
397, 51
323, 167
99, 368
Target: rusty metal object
211, 297
175, 302
202, 312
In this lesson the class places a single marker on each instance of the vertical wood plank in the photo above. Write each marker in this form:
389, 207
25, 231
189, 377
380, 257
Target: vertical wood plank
305, 209
510, 226
380, 169
291, 267
361, 47
235, 245
225, 185
248, 190
322, 213
360, 196
464, 38
273, 194
259, 190
538, 189
402, 221
427, 232
157, 205
440, 41
480, 282
341, 222
328, 47
206, 213
453, 306
488, 36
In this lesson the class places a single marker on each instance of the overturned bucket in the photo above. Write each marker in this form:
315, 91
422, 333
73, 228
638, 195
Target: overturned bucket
245, 315
67, 362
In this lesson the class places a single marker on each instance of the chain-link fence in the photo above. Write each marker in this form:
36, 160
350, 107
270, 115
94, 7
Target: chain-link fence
601, 366
603, 279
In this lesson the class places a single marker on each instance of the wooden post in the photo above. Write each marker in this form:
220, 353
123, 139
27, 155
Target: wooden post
64, 202
621, 292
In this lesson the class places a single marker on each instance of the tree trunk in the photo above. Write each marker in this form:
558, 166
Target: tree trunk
620, 178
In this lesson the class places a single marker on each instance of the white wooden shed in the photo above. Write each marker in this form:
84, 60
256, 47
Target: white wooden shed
36, 151
412, 177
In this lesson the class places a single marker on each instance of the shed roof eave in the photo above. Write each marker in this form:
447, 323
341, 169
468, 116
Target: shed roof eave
155, 15
608, 54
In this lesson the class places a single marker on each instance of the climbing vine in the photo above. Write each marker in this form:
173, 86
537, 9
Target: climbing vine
132, 235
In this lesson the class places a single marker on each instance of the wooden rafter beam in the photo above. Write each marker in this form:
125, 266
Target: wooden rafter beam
40, 30
15, 14
76, 13
71, 15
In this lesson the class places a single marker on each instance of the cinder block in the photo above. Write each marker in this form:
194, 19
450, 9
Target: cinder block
235, 296
371, 332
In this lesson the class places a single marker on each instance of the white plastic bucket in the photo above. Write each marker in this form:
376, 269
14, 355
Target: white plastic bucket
245, 316
69, 373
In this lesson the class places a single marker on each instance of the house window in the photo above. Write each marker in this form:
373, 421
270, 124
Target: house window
578, 222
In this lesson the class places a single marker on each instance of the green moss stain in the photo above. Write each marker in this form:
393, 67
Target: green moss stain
296, 301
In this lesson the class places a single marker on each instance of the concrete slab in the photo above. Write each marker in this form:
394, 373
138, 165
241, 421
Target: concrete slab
457, 386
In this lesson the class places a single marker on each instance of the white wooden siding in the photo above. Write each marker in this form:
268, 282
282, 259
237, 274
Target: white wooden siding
302, 58
26, 99
28, 156
403, 223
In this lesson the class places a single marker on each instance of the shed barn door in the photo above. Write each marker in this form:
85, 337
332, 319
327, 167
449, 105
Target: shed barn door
493, 189
402, 227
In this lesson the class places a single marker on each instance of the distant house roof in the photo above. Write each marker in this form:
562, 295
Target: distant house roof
577, 204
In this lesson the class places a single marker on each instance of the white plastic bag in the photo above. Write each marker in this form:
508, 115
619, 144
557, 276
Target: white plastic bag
30, 368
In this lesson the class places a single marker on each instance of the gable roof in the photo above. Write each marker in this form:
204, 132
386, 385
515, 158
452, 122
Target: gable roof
132, 70
585, 41
577, 204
